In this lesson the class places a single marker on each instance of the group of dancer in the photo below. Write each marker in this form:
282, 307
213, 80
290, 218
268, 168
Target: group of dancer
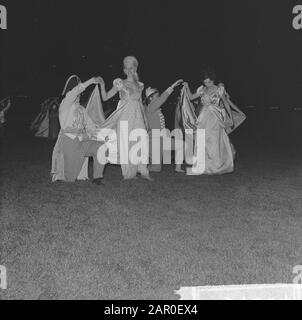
79, 136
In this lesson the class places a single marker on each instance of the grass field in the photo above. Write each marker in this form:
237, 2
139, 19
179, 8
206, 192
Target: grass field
142, 240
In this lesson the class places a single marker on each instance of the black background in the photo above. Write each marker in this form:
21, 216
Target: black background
251, 44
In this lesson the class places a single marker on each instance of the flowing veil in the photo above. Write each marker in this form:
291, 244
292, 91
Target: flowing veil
185, 119
94, 109
94, 117
238, 116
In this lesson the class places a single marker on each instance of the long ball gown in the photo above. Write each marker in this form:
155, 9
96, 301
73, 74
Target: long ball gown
130, 109
219, 153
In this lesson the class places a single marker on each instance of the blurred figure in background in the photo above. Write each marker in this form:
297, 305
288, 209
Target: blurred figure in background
46, 124
5, 105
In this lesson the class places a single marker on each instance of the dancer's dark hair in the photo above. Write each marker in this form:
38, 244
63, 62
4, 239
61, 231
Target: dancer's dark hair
208, 73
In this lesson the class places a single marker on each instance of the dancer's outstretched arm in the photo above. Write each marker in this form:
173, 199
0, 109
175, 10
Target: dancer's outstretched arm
157, 103
110, 94
233, 105
71, 98
72, 95
190, 94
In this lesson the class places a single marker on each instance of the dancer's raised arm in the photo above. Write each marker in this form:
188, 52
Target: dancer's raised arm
155, 104
190, 94
72, 95
232, 104
110, 94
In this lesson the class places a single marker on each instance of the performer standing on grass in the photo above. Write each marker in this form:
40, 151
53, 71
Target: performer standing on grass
75, 143
46, 124
219, 156
154, 101
130, 110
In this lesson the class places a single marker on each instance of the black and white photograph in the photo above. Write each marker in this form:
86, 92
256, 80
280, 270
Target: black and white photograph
150, 151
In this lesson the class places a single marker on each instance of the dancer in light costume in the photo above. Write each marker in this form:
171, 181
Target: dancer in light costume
130, 110
75, 143
216, 118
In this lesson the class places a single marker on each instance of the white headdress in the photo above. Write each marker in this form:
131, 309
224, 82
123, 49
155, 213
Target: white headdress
72, 82
150, 91
130, 60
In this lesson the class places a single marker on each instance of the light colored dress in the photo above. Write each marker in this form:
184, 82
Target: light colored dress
219, 153
70, 154
130, 109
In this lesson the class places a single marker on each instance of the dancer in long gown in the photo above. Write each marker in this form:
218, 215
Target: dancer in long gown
75, 141
130, 109
219, 155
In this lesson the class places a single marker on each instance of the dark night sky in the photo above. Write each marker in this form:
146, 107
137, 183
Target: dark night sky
251, 44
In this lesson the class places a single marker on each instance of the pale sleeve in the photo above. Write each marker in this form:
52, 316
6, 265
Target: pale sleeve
221, 91
72, 95
118, 84
67, 103
170, 90
158, 102
200, 90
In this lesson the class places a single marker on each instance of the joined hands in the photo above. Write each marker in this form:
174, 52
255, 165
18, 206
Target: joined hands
98, 80
178, 82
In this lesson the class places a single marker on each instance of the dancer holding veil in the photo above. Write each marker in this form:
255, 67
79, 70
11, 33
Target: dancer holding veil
75, 142
216, 118
130, 111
